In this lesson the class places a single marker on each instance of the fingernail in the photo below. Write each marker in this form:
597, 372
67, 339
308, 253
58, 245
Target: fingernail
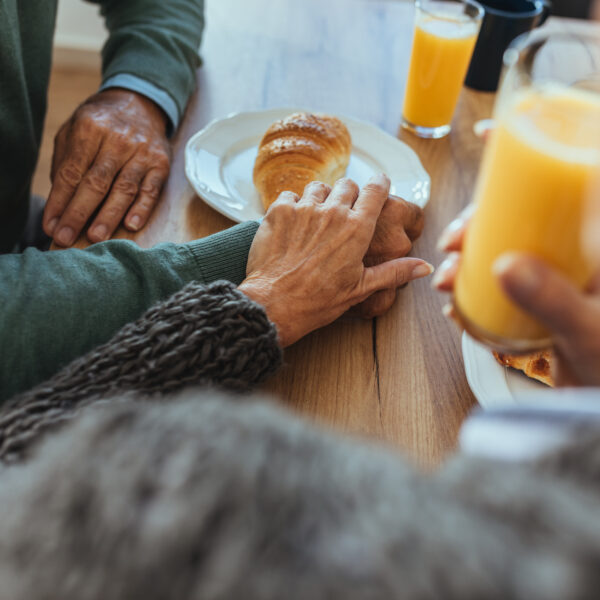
448, 311
52, 225
135, 222
65, 236
438, 278
100, 232
449, 234
422, 270
521, 272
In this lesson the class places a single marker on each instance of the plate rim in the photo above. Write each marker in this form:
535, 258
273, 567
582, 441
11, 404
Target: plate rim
285, 110
481, 393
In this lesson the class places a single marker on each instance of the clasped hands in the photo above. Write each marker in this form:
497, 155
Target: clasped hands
316, 257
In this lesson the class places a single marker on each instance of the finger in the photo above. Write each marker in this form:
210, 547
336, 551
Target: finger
396, 247
316, 192
287, 198
372, 197
344, 192
591, 228
69, 175
449, 312
542, 292
375, 305
452, 237
122, 195
60, 150
445, 274
147, 199
483, 128
393, 274
594, 285
412, 215
92, 190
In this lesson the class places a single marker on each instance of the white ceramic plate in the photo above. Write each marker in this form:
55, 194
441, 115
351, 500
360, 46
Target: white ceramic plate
219, 161
493, 384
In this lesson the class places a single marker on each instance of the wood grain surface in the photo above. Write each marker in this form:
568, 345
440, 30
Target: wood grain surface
399, 378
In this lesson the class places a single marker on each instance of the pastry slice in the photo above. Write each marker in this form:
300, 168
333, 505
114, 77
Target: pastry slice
537, 365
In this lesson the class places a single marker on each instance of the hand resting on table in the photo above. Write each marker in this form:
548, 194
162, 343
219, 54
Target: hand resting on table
315, 257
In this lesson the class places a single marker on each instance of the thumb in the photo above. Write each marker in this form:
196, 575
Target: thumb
393, 274
542, 291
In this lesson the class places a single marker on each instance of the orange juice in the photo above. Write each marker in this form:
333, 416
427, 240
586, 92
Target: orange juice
531, 197
441, 52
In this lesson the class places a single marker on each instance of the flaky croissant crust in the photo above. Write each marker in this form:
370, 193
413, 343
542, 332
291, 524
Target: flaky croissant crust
299, 149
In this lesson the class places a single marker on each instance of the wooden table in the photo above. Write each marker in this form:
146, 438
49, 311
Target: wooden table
399, 378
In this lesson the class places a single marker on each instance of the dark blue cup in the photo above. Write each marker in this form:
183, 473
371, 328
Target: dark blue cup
504, 20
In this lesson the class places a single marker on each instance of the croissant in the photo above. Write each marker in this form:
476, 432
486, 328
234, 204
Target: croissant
299, 149
537, 365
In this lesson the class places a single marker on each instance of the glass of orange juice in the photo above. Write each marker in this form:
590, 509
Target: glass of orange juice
538, 177
445, 35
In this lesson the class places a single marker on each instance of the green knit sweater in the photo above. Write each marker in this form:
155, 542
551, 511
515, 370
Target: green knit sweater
154, 40
56, 306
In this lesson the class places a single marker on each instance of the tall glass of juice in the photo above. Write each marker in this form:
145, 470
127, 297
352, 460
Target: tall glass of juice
538, 178
444, 38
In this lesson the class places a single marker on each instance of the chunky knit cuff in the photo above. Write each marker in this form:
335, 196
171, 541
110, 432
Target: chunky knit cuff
202, 335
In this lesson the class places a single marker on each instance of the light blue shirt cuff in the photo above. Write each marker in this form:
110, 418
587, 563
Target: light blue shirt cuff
145, 88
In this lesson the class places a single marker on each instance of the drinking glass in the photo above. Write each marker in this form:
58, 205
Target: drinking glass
444, 38
539, 170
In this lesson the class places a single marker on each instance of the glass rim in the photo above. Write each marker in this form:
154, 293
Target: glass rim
539, 36
539, 7
476, 18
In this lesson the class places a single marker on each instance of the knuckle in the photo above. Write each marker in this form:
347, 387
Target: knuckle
401, 278
151, 188
85, 124
286, 197
280, 209
316, 183
99, 179
403, 246
162, 161
70, 174
122, 144
315, 187
126, 187
348, 183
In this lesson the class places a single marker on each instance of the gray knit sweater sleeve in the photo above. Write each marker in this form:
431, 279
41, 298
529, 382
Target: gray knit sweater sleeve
204, 497
204, 334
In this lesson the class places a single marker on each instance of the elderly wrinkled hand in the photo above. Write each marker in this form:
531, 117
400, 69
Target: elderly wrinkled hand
307, 262
572, 316
398, 226
112, 155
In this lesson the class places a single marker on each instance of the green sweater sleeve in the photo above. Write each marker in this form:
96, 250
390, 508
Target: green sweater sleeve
56, 306
156, 40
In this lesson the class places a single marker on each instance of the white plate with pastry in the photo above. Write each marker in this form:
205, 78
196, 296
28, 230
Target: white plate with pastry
496, 385
220, 161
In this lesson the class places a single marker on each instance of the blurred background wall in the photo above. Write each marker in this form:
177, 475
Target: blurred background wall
79, 26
